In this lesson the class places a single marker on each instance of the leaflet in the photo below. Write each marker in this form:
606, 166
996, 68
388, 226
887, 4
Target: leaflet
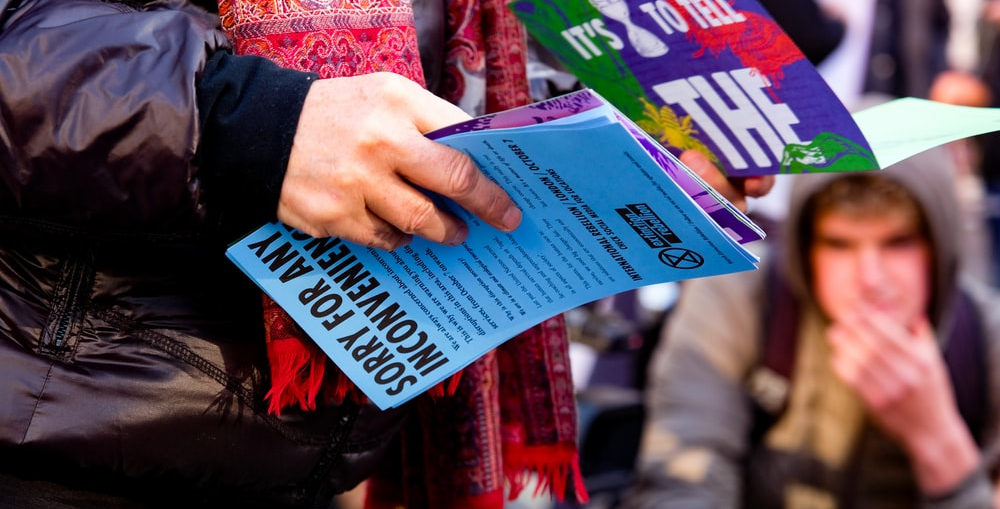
717, 76
578, 104
604, 211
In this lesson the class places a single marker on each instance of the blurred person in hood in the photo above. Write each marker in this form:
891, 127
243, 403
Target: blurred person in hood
857, 368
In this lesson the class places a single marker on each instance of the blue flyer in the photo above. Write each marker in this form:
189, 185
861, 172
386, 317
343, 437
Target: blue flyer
602, 215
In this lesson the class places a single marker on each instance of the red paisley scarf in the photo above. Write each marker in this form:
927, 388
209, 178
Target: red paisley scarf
511, 413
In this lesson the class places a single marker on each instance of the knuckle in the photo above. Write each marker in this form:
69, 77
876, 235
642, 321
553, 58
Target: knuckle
325, 222
368, 137
419, 216
334, 221
462, 177
879, 402
385, 237
391, 87
314, 231
895, 394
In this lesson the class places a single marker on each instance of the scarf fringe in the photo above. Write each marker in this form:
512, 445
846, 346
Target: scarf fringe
298, 367
553, 466
297, 372
446, 387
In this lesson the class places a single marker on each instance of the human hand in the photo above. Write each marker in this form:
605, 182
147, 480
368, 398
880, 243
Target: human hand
833, 10
900, 375
736, 190
360, 156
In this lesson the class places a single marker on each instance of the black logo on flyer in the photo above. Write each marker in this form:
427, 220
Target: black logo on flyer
648, 225
654, 231
680, 258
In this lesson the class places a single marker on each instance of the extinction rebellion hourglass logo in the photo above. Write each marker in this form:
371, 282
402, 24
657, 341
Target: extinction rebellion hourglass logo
680, 258
657, 235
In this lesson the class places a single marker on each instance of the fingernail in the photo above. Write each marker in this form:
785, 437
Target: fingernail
398, 242
511, 218
458, 236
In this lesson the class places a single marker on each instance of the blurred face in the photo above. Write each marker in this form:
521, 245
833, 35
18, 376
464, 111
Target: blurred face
882, 261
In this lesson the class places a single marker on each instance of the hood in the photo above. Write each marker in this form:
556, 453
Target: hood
929, 176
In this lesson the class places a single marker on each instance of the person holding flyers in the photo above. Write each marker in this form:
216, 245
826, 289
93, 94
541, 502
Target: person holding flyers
857, 368
134, 147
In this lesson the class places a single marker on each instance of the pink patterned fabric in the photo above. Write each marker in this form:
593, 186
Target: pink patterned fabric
330, 38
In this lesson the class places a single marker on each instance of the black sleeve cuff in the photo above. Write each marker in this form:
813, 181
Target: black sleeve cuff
248, 111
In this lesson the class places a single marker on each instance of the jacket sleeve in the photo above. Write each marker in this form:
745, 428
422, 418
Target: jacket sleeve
101, 115
249, 110
975, 492
698, 416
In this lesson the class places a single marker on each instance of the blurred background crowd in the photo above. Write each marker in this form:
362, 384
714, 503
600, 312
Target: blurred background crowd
867, 51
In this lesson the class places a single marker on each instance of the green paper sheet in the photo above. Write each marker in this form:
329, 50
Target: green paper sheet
901, 128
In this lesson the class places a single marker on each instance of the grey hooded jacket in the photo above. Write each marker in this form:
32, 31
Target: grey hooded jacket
700, 448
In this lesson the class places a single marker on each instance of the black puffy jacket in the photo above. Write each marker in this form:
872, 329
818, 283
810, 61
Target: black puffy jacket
132, 357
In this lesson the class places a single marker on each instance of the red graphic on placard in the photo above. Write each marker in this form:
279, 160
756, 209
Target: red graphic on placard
758, 42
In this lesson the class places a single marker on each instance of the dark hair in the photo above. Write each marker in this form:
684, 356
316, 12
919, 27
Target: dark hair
859, 196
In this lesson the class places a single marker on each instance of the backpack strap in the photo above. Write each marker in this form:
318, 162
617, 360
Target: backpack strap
965, 356
769, 382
